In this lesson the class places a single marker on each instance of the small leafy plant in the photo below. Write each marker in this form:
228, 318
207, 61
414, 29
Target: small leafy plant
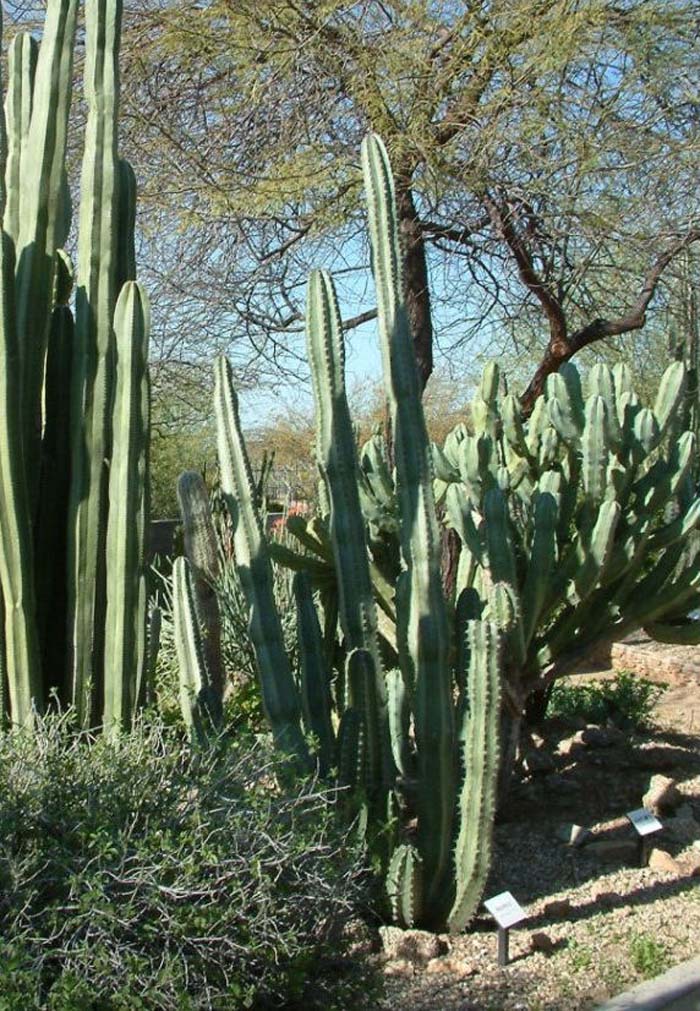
627, 701
649, 956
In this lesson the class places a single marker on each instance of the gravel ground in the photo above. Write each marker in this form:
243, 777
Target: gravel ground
623, 924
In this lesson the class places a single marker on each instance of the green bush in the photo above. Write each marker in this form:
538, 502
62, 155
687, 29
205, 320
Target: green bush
144, 876
627, 701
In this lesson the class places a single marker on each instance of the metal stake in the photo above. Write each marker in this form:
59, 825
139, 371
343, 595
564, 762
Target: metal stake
503, 934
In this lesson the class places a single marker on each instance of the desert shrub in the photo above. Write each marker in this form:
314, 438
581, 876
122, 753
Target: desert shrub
145, 876
626, 701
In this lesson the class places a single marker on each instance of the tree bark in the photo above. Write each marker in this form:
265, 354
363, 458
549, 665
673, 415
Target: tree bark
415, 277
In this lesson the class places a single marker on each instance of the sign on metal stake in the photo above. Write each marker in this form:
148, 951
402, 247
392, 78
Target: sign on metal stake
506, 911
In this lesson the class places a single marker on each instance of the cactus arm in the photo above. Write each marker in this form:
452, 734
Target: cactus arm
50, 530
279, 693
542, 559
670, 395
595, 452
192, 668
480, 758
315, 689
125, 612
404, 886
21, 63
16, 553
126, 252
425, 628
42, 206
338, 463
91, 389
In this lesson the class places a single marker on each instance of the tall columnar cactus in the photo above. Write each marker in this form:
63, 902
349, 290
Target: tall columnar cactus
61, 398
414, 742
279, 692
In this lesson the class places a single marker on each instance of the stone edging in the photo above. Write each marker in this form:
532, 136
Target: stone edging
677, 990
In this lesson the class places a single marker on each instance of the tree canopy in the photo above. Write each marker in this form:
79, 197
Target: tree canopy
545, 156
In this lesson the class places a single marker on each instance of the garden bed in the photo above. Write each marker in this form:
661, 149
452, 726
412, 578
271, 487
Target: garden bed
596, 922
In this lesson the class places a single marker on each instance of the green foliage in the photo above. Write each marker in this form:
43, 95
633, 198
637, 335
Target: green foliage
170, 448
627, 701
649, 957
143, 876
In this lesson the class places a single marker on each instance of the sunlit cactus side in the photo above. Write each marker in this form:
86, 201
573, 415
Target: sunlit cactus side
337, 459
125, 655
278, 689
479, 758
422, 624
199, 704
92, 381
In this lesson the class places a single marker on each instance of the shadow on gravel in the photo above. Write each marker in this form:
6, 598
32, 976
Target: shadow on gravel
611, 900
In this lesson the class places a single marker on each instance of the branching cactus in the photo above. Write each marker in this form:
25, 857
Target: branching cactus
587, 511
73, 431
420, 755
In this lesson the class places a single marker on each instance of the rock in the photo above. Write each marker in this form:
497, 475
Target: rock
557, 908
450, 966
400, 968
683, 828
607, 898
691, 864
660, 860
415, 946
663, 796
569, 746
600, 737
574, 835
542, 942
561, 784
613, 850
538, 762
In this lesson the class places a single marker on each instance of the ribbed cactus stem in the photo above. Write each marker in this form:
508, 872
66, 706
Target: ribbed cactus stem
196, 700
279, 693
41, 219
315, 674
16, 551
91, 390
126, 610
480, 747
425, 630
338, 463
21, 63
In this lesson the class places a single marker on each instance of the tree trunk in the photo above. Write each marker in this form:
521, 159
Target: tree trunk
511, 731
415, 275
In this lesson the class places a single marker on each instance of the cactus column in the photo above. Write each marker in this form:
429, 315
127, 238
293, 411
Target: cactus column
46, 435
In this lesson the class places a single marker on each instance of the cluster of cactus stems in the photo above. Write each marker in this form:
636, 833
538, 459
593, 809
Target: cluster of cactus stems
75, 416
574, 526
409, 726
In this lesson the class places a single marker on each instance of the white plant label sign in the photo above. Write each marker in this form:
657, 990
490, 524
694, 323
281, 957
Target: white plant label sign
644, 821
505, 909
